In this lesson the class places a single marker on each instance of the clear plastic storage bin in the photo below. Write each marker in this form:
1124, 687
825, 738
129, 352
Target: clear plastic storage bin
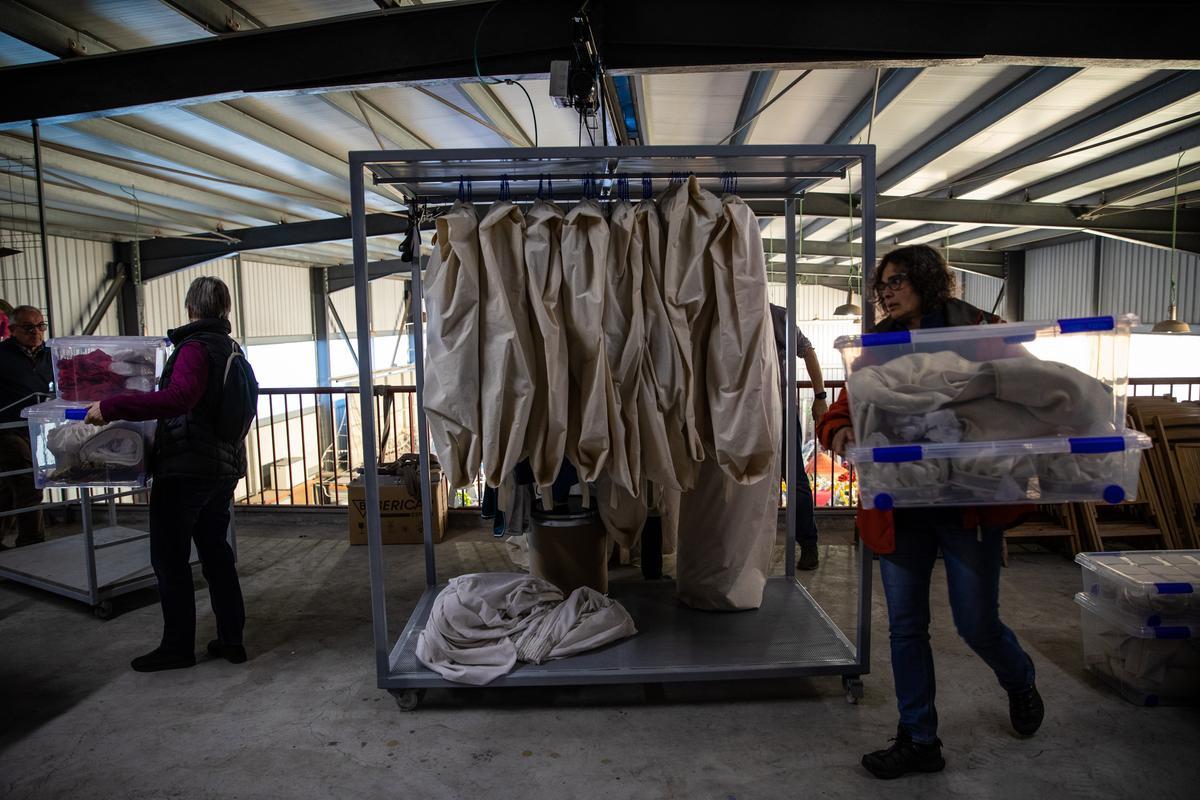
1030, 412
1154, 587
90, 368
68, 452
1148, 665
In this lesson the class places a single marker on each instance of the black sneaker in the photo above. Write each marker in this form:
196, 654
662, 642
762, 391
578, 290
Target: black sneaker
158, 659
1026, 710
904, 756
808, 557
233, 653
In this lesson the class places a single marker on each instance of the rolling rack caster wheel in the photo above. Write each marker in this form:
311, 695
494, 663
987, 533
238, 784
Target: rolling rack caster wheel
854, 689
104, 610
408, 699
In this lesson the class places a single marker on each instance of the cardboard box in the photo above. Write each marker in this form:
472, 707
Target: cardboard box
400, 515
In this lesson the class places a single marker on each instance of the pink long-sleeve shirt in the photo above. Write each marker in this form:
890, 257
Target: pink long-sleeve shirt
189, 379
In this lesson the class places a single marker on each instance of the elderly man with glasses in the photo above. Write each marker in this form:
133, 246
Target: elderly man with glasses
25, 377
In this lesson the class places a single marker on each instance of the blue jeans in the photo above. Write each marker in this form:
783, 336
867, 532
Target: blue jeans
973, 578
806, 520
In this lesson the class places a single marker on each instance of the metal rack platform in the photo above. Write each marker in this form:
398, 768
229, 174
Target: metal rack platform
122, 563
789, 636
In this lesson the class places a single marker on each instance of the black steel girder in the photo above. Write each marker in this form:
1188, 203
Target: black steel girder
435, 42
165, 255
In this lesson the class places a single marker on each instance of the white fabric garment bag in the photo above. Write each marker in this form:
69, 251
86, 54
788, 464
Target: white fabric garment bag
547, 433
727, 521
743, 393
591, 410
452, 345
690, 215
506, 349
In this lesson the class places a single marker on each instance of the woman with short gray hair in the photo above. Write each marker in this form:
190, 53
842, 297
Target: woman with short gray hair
196, 470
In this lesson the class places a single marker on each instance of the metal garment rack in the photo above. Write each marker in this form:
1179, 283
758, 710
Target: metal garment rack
790, 635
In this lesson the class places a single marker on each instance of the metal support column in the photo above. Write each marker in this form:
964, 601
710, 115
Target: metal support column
366, 395
862, 642
45, 242
789, 384
1014, 285
418, 333
320, 321
89, 545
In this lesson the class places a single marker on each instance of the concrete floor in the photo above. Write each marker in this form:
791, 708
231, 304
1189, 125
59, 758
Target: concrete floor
303, 717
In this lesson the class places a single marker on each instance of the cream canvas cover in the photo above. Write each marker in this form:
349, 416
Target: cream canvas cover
505, 343
452, 345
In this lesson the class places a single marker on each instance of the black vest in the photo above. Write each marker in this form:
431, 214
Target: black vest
188, 446
21, 376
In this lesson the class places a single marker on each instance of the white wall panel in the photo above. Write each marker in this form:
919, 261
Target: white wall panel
980, 291
78, 279
812, 301
1059, 281
277, 299
164, 296
387, 299
1136, 278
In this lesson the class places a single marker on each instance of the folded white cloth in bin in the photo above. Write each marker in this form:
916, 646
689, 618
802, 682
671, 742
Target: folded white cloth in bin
78, 444
482, 624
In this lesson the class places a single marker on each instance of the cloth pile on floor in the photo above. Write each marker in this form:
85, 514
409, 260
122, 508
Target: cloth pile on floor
633, 340
482, 624
98, 375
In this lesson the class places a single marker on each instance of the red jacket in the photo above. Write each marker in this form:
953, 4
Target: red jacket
876, 527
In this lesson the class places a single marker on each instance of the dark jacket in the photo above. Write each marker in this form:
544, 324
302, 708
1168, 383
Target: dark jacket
20, 377
878, 528
188, 446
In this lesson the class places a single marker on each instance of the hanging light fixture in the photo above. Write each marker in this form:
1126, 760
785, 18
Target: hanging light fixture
848, 308
1171, 324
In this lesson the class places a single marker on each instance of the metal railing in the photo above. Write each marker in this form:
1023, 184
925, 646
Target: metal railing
303, 449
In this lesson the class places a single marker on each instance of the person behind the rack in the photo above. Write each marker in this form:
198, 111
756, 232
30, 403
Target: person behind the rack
806, 522
25, 377
913, 287
195, 473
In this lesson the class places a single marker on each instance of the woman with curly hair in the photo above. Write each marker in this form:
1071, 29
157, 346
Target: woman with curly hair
914, 288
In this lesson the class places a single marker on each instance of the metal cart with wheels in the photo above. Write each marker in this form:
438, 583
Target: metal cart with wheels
790, 635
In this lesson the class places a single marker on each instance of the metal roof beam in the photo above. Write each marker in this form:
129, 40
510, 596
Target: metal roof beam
979, 260
892, 83
46, 33
1025, 89
243, 124
489, 106
162, 256
758, 87
359, 108
126, 135
1172, 144
97, 166
1131, 191
633, 35
1166, 92
341, 276
215, 16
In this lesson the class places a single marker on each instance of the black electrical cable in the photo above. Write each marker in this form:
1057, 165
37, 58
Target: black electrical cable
493, 81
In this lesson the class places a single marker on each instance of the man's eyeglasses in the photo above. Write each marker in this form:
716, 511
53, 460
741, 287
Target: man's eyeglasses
894, 283
41, 326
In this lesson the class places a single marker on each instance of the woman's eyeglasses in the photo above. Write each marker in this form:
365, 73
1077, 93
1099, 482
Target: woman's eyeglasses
41, 326
894, 283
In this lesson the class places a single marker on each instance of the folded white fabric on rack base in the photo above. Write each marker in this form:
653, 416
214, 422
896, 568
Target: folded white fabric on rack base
452, 297
77, 445
506, 368
482, 624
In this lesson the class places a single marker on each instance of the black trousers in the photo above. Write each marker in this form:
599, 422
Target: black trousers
182, 511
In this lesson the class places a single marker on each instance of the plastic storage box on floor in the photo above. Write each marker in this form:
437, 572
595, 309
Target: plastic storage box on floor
1148, 665
90, 368
68, 452
1029, 412
1153, 587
